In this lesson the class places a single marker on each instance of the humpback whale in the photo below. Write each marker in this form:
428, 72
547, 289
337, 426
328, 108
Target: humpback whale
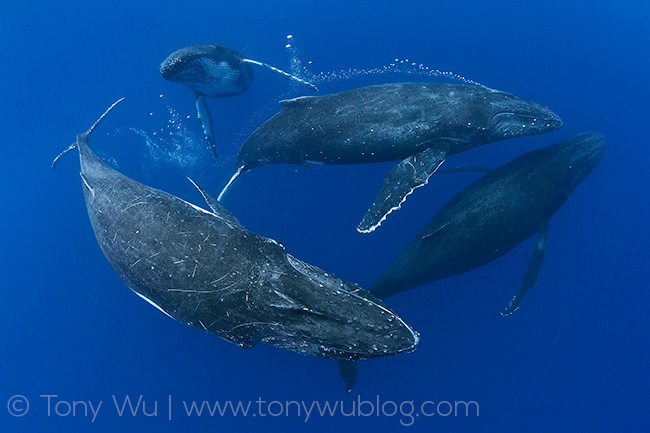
418, 123
215, 71
202, 268
493, 215
489, 218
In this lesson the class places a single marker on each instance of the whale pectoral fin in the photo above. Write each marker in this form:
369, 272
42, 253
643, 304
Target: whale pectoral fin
282, 74
530, 277
206, 122
407, 175
348, 370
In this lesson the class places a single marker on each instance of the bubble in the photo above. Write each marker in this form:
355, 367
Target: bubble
176, 145
295, 65
398, 66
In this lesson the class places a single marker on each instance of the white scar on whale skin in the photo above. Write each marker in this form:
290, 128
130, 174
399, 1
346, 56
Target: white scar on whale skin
83, 178
399, 205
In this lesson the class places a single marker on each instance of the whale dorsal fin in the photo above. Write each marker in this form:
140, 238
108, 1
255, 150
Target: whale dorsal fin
217, 208
532, 272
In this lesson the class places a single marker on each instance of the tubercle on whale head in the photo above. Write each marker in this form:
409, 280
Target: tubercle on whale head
177, 62
168, 68
336, 319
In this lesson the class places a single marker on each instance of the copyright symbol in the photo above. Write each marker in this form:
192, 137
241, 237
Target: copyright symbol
18, 405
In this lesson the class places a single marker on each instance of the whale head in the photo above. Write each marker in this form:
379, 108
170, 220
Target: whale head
208, 69
580, 154
512, 116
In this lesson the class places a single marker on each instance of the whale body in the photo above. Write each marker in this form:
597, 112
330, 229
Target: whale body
202, 268
420, 124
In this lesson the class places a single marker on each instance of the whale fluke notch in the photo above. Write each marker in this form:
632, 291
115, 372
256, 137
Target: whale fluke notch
87, 133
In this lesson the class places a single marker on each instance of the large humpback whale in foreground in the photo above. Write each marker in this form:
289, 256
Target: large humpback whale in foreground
493, 215
215, 71
204, 269
418, 123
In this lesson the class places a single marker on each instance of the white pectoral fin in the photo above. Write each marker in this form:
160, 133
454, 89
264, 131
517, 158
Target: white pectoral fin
281, 73
411, 173
532, 272
206, 122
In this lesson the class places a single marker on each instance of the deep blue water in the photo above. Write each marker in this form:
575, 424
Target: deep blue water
575, 357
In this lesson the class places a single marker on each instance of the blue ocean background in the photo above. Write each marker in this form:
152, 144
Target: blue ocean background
575, 357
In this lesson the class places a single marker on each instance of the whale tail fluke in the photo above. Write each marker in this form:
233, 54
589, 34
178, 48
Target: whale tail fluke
87, 133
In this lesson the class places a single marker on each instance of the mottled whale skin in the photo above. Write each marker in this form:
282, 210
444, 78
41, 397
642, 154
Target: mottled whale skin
204, 269
493, 215
418, 123
214, 71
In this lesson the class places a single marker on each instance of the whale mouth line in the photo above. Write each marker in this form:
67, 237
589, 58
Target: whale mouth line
507, 124
553, 119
